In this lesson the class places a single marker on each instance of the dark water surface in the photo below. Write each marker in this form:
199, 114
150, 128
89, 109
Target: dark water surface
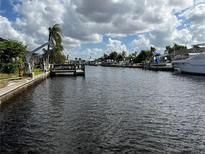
111, 110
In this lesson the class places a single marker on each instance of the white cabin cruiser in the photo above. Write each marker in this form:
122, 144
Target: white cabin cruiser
195, 64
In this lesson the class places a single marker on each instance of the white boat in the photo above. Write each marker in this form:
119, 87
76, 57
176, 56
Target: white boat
195, 64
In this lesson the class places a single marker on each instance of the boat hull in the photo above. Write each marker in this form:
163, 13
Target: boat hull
186, 67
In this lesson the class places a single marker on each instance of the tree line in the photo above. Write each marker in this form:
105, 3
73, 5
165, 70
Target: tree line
139, 57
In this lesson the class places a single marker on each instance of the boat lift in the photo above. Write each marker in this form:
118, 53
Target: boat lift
28, 68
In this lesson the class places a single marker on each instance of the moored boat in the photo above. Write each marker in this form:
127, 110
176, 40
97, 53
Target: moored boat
195, 64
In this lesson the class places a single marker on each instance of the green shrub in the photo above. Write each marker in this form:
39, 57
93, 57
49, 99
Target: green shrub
12, 54
8, 68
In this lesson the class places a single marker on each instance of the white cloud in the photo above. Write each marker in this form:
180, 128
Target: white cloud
183, 37
196, 15
7, 31
197, 19
88, 53
141, 43
71, 43
115, 45
180, 4
87, 21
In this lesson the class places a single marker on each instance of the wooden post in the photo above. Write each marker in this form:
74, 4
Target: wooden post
75, 70
83, 68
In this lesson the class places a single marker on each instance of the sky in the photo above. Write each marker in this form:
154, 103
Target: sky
94, 27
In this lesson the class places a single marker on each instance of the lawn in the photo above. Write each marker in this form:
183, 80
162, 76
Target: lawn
5, 76
12, 76
37, 71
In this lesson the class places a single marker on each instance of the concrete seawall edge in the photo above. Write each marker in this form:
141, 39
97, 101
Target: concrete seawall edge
17, 90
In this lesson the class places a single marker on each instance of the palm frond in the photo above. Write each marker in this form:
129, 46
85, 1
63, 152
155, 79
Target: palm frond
55, 39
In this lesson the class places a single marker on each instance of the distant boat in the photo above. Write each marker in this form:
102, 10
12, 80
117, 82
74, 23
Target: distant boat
195, 64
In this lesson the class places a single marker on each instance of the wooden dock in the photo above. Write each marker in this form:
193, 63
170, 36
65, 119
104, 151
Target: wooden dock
68, 70
160, 67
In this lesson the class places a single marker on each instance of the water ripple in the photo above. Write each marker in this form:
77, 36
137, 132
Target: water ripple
111, 110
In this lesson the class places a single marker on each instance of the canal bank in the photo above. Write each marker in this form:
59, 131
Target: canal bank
15, 88
160, 67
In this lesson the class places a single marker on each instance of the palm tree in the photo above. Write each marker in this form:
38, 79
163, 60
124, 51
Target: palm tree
55, 40
152, 53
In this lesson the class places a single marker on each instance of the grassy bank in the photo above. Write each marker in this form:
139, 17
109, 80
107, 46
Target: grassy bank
37, 71
4, 76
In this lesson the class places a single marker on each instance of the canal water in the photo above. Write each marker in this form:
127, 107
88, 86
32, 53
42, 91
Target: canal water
110, 111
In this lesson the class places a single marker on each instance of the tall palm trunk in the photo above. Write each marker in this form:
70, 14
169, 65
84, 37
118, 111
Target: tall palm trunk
48, 49
55, 42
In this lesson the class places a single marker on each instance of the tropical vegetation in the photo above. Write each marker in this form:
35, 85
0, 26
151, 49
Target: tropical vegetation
176, 47
54, 53
140, 56
115, 56
131, 58
13, 53
12, 56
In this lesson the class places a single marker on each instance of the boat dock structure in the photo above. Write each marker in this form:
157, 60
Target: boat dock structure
68, 70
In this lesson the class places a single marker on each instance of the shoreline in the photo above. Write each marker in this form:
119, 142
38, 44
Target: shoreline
14, 89
166, 68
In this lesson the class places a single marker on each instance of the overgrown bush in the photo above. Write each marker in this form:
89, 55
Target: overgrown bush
12, 55
8, 68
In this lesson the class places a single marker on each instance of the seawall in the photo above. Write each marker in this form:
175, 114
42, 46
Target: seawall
13, 90
167, 68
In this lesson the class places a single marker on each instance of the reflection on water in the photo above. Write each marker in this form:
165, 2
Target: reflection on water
111, 110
